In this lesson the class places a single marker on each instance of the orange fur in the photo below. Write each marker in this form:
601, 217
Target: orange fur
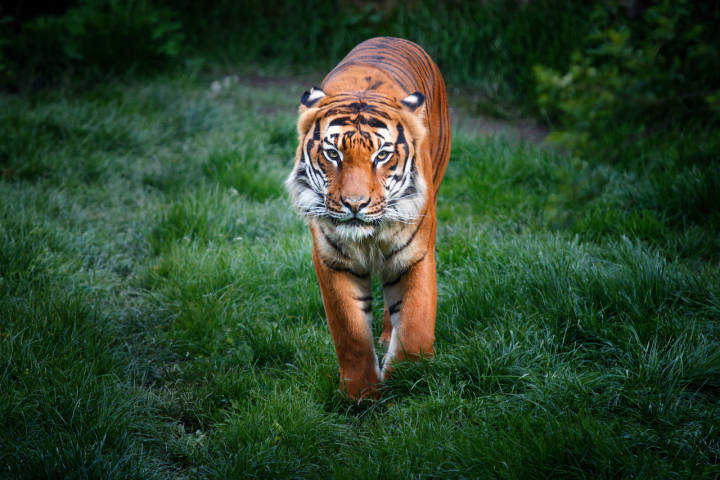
367, 111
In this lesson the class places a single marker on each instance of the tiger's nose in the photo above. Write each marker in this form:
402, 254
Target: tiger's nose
355, 203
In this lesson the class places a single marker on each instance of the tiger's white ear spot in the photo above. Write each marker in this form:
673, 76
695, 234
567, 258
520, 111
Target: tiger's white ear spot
311, 96
413, 101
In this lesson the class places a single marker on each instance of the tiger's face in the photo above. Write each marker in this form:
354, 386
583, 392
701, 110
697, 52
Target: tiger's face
357, 161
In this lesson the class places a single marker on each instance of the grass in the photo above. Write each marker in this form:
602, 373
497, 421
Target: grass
161, 318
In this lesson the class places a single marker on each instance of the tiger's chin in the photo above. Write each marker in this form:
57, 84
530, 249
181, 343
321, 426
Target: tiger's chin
354, 230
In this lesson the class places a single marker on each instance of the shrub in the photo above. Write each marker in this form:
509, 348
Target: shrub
96, 37
490, 46
636, 76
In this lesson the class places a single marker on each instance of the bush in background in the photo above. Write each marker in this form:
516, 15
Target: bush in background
606, 75
636, 77
93, 39
490, 46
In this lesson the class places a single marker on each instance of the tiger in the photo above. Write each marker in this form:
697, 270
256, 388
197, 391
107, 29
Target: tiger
373, 147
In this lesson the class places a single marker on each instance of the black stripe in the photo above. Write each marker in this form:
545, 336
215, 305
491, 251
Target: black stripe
401, 134
395, 307
373, 122
303, 183
333, 244
404, 272
404, 245
367, 303
411, 189
316, 132
351, 111
300, 173
312, 167
319, 174
394, 165
344, 270
340, 121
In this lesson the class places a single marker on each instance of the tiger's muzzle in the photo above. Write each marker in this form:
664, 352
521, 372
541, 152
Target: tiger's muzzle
354, 210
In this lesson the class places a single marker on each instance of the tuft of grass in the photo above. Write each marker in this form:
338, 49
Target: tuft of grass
245, 172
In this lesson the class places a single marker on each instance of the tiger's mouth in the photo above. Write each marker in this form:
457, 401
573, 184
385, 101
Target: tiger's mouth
354, 222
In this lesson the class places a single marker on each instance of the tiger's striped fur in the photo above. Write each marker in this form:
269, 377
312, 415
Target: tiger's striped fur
374, 143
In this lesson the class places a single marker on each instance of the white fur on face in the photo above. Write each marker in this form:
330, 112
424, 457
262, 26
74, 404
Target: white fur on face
332, 130
405, 195
354, 233
309, 201
403, 206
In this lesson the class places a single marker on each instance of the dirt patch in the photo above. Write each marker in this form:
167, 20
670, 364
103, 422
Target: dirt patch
299, 82
526, 130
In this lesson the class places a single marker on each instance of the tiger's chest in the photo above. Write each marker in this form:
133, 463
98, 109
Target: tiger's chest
386, 253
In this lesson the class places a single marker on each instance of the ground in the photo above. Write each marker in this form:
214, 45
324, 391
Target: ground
161, 318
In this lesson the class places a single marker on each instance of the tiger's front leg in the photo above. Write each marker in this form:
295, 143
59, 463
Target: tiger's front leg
411, 301
348, 300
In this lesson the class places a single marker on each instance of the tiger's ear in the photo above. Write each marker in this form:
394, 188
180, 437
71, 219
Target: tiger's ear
307, 111
412, 114
413, 101
310, 97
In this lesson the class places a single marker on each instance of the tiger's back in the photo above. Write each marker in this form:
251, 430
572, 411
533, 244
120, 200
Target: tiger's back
396, 67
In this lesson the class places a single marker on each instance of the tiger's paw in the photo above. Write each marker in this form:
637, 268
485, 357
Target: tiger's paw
360, 390
361, 385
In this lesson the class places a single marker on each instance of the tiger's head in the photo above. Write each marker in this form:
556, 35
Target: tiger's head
356, 164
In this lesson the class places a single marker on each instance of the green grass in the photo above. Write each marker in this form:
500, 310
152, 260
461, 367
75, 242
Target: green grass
161, 318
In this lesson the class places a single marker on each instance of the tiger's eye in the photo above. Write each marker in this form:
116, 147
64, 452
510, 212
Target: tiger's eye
333, 154
382, 155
